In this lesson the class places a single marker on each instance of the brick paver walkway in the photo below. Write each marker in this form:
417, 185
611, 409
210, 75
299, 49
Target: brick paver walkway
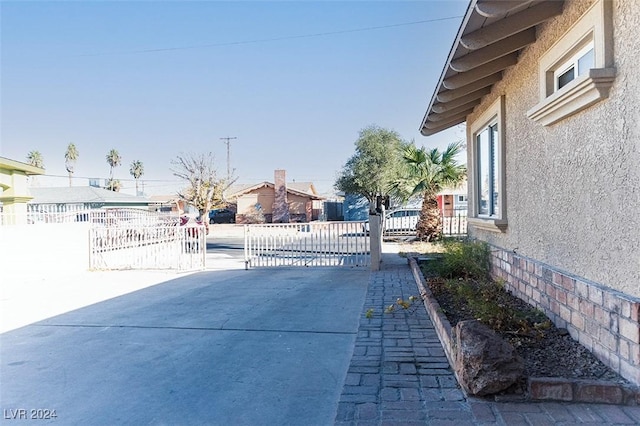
399, 374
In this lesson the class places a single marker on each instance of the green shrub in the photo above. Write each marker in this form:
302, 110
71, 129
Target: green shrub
465, 259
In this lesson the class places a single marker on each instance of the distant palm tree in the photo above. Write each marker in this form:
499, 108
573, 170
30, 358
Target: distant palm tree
114, 185
70, 158
35, 159
426, 173
136, 170
114, 160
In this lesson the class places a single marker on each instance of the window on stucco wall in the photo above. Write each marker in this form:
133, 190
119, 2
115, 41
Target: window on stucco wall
577, 71
487, 203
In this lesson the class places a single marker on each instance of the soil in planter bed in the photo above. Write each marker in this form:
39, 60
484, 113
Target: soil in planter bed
547, 351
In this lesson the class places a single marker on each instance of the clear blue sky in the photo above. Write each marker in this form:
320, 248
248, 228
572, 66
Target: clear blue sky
153, 79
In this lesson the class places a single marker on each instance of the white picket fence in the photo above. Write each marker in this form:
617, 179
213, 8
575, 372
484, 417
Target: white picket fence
147, 247
307, 244
102, 217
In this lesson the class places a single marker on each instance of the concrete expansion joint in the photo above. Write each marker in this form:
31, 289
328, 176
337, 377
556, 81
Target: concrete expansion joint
149, 327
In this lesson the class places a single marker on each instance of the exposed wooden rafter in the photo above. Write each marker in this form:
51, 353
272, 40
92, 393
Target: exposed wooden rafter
444, 107
431, 128
511, 25
494, 51
497, 9
468, 108
449, 119
482, 71
449, 95
492, 35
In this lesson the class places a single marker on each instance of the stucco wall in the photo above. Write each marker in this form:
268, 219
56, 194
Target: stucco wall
573, 188
264, 196
58, 249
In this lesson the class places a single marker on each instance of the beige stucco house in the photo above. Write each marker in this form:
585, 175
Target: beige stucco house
303, 202
550, 94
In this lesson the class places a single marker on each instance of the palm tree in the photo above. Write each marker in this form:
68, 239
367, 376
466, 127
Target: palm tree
114, 185
35, 159
70, 158
426, 173
136, 170
114, 160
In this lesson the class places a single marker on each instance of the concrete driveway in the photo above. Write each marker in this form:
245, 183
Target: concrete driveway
257, 347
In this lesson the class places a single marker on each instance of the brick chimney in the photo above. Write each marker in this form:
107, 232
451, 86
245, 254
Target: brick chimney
280, 204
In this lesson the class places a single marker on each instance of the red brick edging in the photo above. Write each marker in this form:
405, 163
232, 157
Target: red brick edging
538, 388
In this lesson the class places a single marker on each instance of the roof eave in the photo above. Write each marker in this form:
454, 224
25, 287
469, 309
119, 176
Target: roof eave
454, 46
498, 33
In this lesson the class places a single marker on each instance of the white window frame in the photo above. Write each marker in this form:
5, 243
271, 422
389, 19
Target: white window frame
594, 26
497, 220
572, 63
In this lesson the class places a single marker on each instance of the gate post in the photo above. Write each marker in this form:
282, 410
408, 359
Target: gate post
375, 228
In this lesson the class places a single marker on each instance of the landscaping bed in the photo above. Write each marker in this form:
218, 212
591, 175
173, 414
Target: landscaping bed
460, 285
546, 350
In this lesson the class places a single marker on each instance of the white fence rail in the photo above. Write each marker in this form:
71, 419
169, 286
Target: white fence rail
148, 247
307, 244
103, 217
454, 226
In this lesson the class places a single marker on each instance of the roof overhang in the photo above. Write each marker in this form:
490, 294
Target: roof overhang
271, 185
490, 38
13, 165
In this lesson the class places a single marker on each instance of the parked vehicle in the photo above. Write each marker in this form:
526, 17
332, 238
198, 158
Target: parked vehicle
222, 216
399, 220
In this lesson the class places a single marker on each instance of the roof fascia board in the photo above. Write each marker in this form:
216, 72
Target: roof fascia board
452, 52
9, 164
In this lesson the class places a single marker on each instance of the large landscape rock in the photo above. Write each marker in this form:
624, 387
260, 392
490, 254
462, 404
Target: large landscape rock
485, 363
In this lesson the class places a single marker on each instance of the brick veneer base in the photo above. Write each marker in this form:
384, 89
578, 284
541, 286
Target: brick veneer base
603, 320
539, 388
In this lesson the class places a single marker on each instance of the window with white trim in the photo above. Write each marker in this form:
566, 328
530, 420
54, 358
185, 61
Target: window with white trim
487, 202
577, 65
577, 71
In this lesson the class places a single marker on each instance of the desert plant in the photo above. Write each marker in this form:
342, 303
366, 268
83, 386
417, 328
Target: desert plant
464, 259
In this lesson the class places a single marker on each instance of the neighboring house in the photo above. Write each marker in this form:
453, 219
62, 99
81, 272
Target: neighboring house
304, 205
168, 204
551, 97
76, 198
14, 189
453, 201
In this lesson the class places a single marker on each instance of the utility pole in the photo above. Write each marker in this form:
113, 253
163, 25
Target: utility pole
227, 141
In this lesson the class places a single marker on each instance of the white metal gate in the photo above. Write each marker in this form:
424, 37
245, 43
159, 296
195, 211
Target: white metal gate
306, 244
148, 247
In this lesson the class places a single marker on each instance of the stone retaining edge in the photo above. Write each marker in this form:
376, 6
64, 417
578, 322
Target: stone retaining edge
538, 388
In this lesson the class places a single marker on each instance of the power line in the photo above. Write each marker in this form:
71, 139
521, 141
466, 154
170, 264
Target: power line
269, 40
